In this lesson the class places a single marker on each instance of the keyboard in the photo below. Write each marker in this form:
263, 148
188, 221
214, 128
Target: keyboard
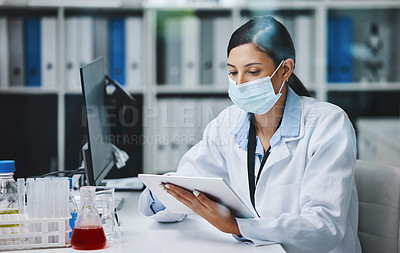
128, 183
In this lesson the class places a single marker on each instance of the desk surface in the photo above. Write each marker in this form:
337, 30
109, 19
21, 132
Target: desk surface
140, 234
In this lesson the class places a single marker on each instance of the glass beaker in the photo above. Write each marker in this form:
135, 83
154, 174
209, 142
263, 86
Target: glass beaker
88, 232
105, 205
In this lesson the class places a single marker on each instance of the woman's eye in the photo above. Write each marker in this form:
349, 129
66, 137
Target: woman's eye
232, 73
254, 72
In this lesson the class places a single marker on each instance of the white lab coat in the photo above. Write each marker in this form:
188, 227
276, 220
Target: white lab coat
306, 195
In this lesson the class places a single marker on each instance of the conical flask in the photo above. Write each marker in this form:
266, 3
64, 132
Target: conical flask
105, 205
88, 232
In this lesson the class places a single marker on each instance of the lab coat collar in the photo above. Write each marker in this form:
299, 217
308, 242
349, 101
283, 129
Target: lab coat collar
291, 119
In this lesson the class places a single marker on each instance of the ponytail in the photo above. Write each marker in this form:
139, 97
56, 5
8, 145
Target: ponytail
297, 86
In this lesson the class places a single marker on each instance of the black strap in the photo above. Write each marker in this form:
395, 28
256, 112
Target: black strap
251, 153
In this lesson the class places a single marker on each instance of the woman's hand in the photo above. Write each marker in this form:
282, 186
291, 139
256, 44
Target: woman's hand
215, 213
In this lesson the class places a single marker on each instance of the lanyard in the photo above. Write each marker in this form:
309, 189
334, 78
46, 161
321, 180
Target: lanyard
251, 153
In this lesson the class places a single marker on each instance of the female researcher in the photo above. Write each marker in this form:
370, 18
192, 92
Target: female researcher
300, 153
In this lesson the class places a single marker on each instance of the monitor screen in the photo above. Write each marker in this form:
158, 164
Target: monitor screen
98, 155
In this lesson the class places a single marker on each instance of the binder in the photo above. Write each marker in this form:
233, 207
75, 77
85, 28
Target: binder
117, 50
340, 60
16, 45
332, 56
134, 51
303, 41
190, 56
345, 36
289, 22
221, 35
86, 40
4, 59
160, 133
72, 44
49, 52
206, 57
101, 35
172, 52
386, 34
33, 52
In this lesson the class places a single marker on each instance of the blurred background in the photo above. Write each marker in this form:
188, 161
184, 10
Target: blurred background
171, 56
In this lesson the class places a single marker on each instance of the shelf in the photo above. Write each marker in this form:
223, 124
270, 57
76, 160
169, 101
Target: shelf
176, 89
27, 90
170, 5
135, 91
364, 87
364, 4
76, 3
12, 3
283, 5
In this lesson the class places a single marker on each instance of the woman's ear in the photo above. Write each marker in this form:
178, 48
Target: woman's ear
288, 66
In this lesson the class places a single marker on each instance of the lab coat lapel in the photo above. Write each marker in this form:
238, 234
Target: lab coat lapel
242, 154
279, 153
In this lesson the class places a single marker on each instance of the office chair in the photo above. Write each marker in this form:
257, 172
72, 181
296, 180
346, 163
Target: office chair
378, 189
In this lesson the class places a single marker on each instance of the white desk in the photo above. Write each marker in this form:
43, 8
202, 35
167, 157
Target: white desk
142, 235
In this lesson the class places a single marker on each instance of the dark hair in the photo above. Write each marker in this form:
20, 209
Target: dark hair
271, 37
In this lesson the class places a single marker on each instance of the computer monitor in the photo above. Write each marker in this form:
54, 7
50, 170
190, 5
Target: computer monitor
97, 153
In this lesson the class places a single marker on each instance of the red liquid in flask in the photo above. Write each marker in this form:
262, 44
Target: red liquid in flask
88, 238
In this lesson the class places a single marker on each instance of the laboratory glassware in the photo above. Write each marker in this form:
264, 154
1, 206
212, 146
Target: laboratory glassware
105, 205
8, 195
88, 233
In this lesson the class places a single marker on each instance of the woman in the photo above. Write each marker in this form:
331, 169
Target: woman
300, 153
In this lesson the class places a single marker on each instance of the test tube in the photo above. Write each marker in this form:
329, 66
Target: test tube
30, 198
65, 196
31, 205
57, 204
41, 196
21, 196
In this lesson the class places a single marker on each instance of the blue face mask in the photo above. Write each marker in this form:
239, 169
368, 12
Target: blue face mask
257, 96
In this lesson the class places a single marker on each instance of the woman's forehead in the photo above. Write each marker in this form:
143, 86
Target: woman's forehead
248, 53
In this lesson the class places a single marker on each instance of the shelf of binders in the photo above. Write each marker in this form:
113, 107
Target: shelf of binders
362, 51
28, 46
191, 49
117, 36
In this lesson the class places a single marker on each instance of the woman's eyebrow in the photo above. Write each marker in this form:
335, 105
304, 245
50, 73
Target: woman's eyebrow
253, 63
247, 65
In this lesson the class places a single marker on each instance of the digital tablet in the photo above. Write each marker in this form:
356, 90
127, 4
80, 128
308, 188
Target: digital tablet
215, 188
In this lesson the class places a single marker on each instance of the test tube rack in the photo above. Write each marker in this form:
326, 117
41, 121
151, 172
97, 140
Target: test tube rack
19, 232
